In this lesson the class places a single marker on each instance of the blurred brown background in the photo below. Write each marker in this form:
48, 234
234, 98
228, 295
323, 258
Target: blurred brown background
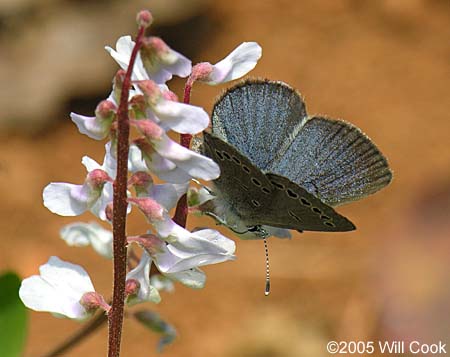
382, 65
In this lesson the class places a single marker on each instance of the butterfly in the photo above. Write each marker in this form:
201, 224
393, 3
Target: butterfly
283, 169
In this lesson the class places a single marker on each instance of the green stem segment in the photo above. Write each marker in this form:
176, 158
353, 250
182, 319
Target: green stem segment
115, 316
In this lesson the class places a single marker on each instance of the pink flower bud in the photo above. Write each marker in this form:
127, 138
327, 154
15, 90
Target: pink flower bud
140, 179
152, 210
154, 46
144, 18
91, 301
96, 178
132, 287
201, 72
151, 91
105, 109
149, 129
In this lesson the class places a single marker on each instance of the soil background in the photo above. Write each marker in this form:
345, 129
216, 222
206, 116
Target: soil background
382, 65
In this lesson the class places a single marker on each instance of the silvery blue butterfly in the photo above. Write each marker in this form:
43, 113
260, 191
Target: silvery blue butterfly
281, 168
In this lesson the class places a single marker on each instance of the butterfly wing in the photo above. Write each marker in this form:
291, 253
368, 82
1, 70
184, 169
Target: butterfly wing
295, 208
257, 117
272, 200
241, 185
334, 161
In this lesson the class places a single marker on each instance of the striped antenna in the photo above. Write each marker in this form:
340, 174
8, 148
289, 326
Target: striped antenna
266, 249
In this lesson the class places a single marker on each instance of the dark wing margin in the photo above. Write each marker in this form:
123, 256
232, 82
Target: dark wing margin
333, 160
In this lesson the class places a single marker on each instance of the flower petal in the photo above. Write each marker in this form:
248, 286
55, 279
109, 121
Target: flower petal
193, 278
167, 195
194, 164
122, 54
66, 199
58, 289
187, 250
180, 117
238, 63
81, 234
141, 273
166, 170
91, 126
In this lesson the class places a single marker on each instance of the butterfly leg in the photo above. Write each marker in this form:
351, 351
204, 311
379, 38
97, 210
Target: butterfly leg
223, 222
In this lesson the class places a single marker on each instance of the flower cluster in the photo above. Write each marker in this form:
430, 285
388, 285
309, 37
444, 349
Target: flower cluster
153, 110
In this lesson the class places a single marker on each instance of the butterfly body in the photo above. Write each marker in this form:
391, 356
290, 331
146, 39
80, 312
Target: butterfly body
281, 168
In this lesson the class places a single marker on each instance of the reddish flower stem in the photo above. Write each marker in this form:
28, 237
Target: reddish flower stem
181, 211
115, 315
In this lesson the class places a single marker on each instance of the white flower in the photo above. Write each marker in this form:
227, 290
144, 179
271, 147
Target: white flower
186, 250
67, 199
122, 54
193, 278
170, 114
167, 195
81, 234
97, 127
159, 147
141, 273
237, 64
58, 289
160, 61
182, 250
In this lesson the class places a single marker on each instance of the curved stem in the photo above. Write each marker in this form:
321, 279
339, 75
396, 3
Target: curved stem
115, 316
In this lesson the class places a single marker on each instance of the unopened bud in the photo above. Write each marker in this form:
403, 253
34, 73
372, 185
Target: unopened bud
132, 287
152, 210
97, 178
200, 72
105, 109
148, 128
91, 301
151, 91
140, 179
144, 18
